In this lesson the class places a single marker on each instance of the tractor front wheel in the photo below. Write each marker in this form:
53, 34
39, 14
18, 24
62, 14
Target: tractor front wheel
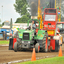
37, 47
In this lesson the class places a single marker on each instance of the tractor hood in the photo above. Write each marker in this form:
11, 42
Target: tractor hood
28, 35
28, 31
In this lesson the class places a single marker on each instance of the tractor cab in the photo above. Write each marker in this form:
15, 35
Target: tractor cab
50, 20
36, 23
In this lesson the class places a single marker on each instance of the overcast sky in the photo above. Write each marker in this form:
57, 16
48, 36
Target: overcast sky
7, 11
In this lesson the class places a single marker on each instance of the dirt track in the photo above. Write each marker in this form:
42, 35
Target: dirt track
9, 55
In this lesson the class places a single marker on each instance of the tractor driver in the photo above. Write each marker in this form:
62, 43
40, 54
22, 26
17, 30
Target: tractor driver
33, 25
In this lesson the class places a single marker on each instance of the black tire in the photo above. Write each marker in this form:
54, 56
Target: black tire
19, 40
44, 46
15, 46
44, 43
11, 44
56, 45
36, 48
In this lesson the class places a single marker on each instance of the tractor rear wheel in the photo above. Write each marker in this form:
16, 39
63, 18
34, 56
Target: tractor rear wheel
56, 45
15, 46
45, 43
37, 47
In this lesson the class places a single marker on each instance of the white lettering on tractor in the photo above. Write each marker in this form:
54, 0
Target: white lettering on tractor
50, 26
53, 26
45, 25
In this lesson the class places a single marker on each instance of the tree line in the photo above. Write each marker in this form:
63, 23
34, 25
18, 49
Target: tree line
21, 8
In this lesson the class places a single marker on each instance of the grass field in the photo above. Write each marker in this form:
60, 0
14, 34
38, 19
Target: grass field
55, 60
4, 42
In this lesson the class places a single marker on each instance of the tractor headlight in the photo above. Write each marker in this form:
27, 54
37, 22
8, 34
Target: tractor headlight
48, 37
28, 41
22, 41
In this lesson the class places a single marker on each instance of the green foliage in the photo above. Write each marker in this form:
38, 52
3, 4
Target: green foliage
18, 20
23, 19
4, 42
20, 6
24, 11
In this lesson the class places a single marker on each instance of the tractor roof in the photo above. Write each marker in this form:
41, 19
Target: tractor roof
60, 22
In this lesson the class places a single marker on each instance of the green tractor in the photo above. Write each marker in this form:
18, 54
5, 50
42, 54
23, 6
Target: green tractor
30, 38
